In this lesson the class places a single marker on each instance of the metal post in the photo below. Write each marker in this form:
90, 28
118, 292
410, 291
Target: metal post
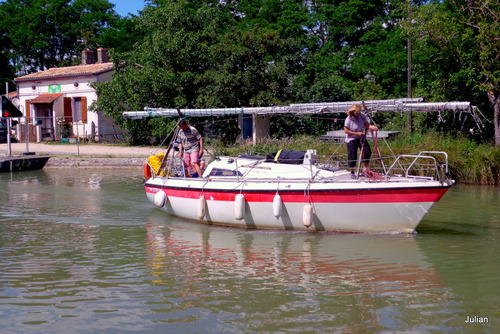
9, 150
77, 140
26, 133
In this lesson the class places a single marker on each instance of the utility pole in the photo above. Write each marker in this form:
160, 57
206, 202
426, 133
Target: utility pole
409, 65
409, 115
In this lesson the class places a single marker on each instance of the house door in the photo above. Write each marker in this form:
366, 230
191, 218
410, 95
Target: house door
44, 119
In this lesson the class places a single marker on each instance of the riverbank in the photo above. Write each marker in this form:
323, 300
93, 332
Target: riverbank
85, 155
470, 163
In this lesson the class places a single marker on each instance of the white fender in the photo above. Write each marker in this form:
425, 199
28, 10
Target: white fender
239, 207
201, 207
160, 199
307, 215
277, 206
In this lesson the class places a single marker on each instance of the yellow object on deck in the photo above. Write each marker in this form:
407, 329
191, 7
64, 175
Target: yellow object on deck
155, 162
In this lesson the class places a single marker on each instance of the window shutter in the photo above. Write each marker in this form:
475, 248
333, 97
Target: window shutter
84, 109
68, 112
28, 108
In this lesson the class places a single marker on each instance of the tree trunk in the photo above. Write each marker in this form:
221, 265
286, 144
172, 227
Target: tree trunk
494, 98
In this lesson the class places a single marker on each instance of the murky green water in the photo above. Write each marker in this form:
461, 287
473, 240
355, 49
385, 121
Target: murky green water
82, 251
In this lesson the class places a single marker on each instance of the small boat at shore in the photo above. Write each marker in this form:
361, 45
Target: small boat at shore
259, 193
22, 163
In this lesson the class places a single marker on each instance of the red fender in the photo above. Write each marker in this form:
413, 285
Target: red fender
147, 171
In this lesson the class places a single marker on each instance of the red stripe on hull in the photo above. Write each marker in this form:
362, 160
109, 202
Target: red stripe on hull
393, 195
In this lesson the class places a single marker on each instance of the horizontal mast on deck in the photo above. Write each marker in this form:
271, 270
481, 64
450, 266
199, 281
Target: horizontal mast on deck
394, 105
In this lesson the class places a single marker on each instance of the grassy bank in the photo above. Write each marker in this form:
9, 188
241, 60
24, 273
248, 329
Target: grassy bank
469, 163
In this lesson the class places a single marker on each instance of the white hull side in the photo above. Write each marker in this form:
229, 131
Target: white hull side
341, 217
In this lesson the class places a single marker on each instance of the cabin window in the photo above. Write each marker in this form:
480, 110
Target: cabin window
224, 172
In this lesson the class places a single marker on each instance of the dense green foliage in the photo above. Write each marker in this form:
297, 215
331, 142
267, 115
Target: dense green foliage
39, 34
456, 45
202, 53
45, 34
271, 52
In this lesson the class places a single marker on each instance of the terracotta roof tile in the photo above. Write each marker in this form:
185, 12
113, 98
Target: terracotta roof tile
57, 72
46, 98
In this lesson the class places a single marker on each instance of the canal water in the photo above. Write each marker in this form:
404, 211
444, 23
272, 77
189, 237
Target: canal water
82, 251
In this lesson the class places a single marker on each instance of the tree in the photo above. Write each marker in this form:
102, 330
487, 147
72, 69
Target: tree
484, 17
121, 35
262, 52
6, 69
163, 68
259, 53
49, 33
458, 43
350, 42
200, 55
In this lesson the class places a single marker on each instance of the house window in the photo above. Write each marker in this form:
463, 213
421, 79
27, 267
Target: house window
77, 109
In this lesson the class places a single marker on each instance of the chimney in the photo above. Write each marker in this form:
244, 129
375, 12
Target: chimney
87, 57
102, 55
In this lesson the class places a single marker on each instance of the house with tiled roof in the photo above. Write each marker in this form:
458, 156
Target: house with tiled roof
58, 98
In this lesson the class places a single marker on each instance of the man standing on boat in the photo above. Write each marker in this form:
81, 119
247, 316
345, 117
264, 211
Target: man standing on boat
355, 127
190, 147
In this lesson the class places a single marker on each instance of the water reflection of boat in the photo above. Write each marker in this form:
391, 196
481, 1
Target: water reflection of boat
345, 264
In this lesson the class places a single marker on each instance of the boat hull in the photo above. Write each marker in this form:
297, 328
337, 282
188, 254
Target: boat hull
339, 207
22, 163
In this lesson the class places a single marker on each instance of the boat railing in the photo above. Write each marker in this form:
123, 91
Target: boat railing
169, 167
421, 165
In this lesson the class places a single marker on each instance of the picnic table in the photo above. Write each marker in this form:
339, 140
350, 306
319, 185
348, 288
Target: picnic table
339, 135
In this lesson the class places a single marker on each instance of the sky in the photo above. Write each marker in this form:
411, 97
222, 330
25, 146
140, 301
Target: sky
123, 7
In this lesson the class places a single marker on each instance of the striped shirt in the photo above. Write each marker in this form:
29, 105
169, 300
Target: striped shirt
190, 139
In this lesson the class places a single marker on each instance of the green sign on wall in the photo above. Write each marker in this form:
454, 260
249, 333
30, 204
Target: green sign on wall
54, 88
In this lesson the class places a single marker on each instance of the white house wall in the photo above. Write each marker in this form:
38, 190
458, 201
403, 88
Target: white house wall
72, 87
